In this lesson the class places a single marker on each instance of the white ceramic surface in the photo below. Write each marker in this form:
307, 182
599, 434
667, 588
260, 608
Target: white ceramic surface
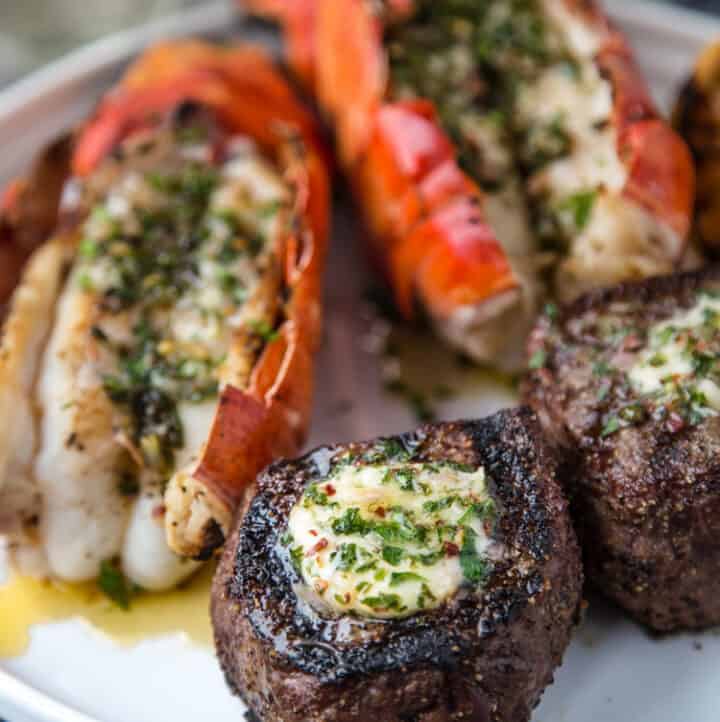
613, 670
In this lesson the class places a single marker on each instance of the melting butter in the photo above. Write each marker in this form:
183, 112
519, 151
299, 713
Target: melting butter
26, 602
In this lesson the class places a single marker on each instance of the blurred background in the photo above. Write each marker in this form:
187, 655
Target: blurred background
33, 32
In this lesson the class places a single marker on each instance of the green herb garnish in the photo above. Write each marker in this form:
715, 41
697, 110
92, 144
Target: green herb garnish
474, 567
384, 602
611, 426
580, 205
114, 585
397, 578
392, 555
538, 360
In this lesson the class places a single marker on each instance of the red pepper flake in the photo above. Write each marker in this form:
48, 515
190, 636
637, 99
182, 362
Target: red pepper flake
675, 423
632, 342
451, 550
322, 544
330, 490
313, 532
380, 511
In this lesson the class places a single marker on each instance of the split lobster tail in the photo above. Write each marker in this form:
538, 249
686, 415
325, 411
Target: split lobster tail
270, 416
258, 178
486, 162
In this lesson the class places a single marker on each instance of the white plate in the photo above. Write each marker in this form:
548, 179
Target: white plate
613, 670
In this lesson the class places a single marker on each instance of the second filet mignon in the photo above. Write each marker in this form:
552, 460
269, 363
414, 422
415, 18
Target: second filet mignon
628, 383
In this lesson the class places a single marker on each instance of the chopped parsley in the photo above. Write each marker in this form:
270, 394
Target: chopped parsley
601, 368
348, 556
397, 578
392, 555
264, 330
296, 556
403, 477
552, 311
579, 206
475, 568
114, 584
384, 602
538, 360
313, 495
611, 426
351, 522
425, 597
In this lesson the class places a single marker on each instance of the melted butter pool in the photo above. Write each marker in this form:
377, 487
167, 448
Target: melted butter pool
26, 602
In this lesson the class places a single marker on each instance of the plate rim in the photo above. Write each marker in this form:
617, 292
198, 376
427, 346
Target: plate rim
695, 25
111, 50
78, 66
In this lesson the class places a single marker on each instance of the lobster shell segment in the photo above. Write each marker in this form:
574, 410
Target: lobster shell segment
660, 170
239, 84
298, 18
425, 214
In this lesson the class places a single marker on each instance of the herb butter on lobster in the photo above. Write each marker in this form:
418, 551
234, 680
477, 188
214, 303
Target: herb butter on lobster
494, 145
184, 268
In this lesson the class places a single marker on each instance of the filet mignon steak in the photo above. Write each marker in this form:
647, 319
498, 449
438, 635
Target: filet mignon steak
426, 577
628, 382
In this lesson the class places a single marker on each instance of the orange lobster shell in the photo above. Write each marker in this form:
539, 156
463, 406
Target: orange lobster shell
28, 213
403, 167
240, 86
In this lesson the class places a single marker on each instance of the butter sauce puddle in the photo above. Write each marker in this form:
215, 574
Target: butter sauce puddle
26, 602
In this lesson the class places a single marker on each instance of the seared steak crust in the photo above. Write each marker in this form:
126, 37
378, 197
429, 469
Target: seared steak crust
482, 656
646, 499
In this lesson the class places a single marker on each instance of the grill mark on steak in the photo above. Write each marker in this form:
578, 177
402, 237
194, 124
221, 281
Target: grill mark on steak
485, 654
645, 499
